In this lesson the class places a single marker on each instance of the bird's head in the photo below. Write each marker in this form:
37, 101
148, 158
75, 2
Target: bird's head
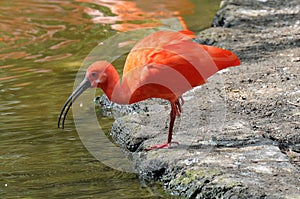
96, 73
96, 76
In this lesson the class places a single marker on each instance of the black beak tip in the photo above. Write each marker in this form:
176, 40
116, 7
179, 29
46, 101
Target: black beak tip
58, 126
59, 121
85, 84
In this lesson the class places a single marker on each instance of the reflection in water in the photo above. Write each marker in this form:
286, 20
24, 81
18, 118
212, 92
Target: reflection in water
130, 15
42, 44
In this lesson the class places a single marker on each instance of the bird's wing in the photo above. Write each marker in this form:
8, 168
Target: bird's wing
140, 55
193, 61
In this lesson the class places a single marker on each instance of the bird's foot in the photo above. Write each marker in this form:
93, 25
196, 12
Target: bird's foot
161, 146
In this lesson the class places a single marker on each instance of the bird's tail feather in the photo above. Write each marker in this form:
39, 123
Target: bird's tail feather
223, 58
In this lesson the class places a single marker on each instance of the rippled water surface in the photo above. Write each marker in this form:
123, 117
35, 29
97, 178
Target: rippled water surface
42, 45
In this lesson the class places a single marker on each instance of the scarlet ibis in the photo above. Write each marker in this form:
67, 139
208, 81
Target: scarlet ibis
164, 64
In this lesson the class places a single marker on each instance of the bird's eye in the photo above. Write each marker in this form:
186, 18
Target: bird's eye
94, 74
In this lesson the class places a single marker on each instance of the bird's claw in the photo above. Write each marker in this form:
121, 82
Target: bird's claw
161, 146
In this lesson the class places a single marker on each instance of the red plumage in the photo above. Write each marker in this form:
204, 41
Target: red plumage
164, 65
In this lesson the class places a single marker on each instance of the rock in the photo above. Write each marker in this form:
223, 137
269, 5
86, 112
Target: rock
239, 133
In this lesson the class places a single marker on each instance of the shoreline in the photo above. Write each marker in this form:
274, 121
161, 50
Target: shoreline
246, 144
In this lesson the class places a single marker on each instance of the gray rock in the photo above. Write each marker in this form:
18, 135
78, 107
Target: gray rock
239, 133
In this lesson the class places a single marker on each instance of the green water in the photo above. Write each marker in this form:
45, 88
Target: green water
42, 45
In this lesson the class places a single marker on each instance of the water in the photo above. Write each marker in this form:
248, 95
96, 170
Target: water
42, 45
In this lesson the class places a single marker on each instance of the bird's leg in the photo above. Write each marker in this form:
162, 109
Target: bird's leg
181, 99
175, 111
178, 105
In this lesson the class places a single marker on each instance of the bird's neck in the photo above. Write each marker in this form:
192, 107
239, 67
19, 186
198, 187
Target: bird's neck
115, 90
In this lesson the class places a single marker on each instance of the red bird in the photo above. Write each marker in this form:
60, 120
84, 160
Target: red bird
164, 64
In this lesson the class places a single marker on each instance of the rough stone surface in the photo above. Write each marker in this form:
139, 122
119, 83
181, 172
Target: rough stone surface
239, 134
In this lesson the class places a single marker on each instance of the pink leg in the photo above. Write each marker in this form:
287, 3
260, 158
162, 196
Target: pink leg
175, 111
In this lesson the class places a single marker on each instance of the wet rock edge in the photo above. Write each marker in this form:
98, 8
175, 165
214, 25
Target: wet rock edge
255, 152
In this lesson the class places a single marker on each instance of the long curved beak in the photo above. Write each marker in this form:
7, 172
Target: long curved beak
85, 84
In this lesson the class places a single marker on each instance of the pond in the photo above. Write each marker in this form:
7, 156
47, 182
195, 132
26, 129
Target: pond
42, 45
